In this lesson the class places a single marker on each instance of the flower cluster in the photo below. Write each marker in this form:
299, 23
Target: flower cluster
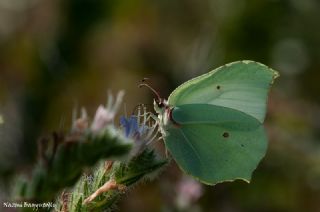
143, 129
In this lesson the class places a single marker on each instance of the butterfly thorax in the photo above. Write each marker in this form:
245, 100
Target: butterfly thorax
164, 112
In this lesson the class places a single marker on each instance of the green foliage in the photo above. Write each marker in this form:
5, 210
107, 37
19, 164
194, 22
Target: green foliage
65, 166
127, 174
63, 159
140, 166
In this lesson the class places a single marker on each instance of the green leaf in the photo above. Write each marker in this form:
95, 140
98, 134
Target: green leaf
144, 165
138, 168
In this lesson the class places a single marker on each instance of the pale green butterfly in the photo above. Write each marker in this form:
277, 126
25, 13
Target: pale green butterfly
212, 124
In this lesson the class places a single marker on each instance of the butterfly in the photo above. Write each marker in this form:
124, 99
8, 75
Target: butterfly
212, 125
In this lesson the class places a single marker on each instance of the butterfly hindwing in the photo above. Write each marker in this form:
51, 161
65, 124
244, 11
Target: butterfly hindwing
241, 85
214, 143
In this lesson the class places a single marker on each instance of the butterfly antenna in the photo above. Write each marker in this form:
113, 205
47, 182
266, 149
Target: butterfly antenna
145, 80
152, 89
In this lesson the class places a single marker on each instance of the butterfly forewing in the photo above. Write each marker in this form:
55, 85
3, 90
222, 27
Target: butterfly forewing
241, 85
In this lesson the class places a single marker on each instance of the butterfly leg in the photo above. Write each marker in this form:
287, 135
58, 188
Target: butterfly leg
152, 131
149, 116
139, 115
149, 121
154, 128
143, 116
146, 117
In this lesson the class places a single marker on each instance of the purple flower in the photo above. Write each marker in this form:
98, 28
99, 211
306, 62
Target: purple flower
131, 126
141, 127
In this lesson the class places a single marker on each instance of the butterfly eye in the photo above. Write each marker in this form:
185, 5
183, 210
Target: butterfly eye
160, 104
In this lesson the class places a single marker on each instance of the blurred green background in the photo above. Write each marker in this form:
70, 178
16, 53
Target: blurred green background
55, 55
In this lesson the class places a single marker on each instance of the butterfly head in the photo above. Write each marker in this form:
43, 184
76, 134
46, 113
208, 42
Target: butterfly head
159, 103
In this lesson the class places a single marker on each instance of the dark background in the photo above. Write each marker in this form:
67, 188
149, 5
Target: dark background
55, 55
